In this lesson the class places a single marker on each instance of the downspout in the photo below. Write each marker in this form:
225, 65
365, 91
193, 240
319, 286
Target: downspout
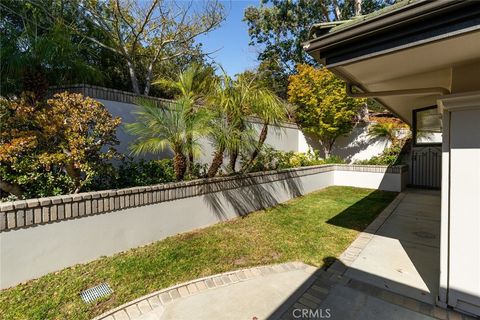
403, 92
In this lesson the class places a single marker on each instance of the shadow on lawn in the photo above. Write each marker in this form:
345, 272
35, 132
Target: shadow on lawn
362, 212
248, 194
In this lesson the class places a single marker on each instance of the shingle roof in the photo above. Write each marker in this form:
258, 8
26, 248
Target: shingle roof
330, 27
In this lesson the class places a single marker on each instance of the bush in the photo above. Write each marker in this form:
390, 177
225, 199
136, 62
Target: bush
134, 173
271, 159
390, 156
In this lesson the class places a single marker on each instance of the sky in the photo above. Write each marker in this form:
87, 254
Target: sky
229, 43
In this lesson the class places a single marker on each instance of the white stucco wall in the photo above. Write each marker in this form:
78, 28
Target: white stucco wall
356, 146
460, 221
372, 180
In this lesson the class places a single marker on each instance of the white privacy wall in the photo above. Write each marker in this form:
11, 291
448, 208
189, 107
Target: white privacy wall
358, 145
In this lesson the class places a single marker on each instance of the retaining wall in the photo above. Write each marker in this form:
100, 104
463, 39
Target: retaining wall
43, 235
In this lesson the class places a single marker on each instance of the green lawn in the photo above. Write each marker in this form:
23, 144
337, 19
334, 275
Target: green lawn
314, 229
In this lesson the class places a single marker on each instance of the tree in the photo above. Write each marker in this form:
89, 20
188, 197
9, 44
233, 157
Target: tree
146, 33
193, 87
159, 128
386, 130
269, 109
323, 108
38, 50
66, 135
230, 132
280, 27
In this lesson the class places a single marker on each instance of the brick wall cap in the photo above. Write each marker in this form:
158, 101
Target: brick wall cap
56, 199
77, 197
45, 201
67, 198
6, 206
21, 204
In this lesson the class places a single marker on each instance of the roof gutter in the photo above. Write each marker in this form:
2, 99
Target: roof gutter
415, 10
403, 92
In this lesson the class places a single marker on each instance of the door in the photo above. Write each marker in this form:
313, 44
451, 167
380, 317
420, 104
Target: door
426, 156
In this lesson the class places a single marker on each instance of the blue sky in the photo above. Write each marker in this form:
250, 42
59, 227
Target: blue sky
230, 41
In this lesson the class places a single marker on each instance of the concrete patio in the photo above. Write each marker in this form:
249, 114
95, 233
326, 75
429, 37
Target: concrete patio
403, 255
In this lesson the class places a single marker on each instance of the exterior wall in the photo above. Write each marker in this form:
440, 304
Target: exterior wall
376, 178
287, 137
358, 145
39, 236
460, 224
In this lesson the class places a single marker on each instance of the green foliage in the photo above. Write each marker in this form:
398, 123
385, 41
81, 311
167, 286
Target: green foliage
173, 127
390, 156
131, 173
53, 146
66, 42
323, 108
271, 159
280, 27
386, 130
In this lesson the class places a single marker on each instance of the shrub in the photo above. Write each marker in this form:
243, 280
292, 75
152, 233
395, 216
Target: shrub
131, 173
54, 146
271, 159
390, 156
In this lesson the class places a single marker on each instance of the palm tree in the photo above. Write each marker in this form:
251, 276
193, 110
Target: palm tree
194, 86
386, 130
229, 133
270, 109
171, 127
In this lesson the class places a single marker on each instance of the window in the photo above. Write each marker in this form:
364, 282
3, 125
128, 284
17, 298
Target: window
427, 125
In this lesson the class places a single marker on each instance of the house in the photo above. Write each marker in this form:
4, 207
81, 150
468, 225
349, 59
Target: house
421, 60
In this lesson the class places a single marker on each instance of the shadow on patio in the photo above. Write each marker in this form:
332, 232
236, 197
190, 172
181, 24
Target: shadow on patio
398, 264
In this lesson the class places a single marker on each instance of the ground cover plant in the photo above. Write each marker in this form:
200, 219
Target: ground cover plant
314, 229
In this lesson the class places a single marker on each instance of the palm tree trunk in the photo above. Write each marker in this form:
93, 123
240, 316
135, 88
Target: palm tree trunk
190, 154
261, 141
233, 159
179, 165
216, 162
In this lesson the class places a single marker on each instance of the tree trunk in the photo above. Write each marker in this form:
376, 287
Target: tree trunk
261, 141
216, 162
233, 159
11, 188
179, 165
75, 175
190, 154
148, 79
326, 151
338, 13
358, 7
133, 77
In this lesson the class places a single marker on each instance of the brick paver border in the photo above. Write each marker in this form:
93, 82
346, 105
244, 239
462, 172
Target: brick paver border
158, 299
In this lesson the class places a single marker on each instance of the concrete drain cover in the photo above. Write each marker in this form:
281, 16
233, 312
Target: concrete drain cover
424, 235
94, 293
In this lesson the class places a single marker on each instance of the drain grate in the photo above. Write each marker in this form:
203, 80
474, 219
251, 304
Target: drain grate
94, 293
